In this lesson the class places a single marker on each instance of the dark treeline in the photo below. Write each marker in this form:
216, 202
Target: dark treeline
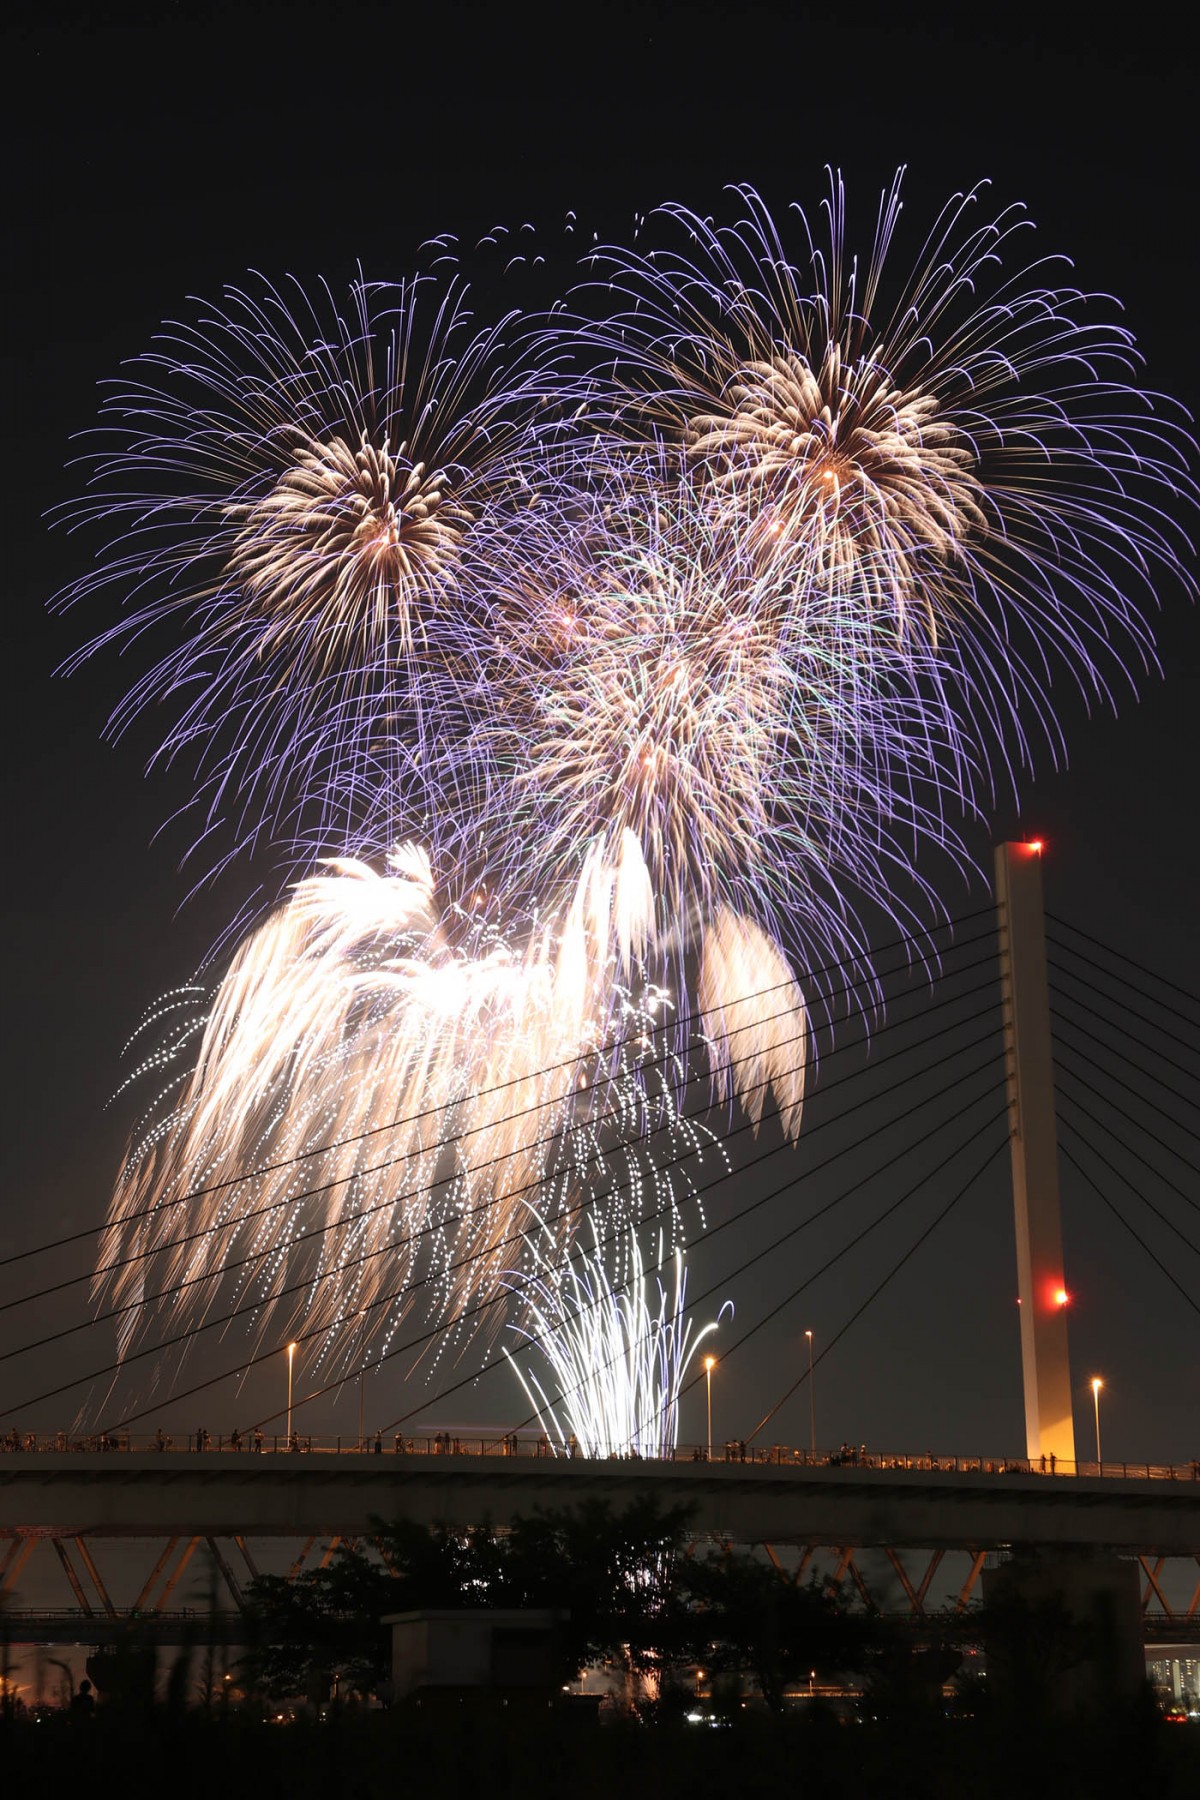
635, 1598
295, 1711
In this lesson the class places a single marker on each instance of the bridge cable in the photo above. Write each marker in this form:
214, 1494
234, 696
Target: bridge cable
1125, 1009
673, 1024
806, 1283
875, 1291
1144, 1099
729, 1275
1105, 1102
505, 1297
1124, 980
1127, 1036
1136, 1235
672, 1125
1165, 1218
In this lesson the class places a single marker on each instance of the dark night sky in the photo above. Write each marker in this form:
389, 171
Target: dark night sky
161, 154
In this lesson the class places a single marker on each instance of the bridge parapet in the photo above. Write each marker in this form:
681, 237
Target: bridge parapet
138, 1494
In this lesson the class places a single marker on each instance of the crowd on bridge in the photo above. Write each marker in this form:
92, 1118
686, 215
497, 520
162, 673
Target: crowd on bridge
538, 1444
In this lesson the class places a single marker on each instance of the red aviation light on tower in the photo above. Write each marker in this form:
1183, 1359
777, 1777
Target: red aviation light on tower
1033, 846
1061, 1297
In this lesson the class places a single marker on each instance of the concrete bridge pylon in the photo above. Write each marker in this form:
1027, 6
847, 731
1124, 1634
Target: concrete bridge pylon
1029, 1059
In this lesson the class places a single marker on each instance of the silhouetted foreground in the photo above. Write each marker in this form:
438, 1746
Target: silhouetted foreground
680, 1632
500, 1753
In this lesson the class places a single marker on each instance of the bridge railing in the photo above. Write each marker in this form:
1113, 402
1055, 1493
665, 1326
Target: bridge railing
538, 1445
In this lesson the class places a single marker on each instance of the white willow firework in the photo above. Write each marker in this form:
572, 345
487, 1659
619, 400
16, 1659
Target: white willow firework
383, 1083
618, 1348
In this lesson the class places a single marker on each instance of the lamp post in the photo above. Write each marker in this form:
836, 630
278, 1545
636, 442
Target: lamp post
812, 1398
291, 1356
709, 1363
362, 1371
1097, 1384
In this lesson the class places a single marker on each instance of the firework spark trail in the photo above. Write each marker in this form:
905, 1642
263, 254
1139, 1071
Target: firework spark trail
963, 457
353, 1007
676, 637
653, 678
617, 1352
296, 494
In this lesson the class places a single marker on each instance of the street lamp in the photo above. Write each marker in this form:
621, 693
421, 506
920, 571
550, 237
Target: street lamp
1097, 1384
291, 1355
362, 1370
709, 1364
812, 1398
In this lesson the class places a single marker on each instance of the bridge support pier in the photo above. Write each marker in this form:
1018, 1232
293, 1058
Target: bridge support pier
1065, 1626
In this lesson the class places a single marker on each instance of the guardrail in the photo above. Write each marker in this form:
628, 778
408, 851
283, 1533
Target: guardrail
539, 1445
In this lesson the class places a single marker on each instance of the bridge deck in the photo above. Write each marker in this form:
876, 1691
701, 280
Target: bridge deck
154, 1494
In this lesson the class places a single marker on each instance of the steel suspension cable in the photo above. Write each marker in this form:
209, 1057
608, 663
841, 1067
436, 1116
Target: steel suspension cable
208, 1231
572, 1063
481, 1307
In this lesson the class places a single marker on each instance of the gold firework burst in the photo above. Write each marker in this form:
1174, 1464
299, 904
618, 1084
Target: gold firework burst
837, 457
349, 549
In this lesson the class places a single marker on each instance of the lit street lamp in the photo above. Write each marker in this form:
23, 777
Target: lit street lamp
291, 1355
1097, 1384
812, 1398
709, 1363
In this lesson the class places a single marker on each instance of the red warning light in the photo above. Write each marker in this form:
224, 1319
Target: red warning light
1034, 846
1061, 1296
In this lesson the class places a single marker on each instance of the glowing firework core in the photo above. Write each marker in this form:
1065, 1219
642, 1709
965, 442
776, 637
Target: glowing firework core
847, 468
347, 545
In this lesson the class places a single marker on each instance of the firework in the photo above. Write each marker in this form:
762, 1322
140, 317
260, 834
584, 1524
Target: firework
960, 456
382, 1082
296, 494
618, 1348
667, 662
654, 682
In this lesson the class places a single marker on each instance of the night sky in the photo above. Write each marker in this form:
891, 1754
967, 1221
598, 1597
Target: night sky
161, 154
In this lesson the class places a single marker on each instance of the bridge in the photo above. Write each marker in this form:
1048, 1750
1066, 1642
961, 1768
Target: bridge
926, 1532
918, 1528
754, 1502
